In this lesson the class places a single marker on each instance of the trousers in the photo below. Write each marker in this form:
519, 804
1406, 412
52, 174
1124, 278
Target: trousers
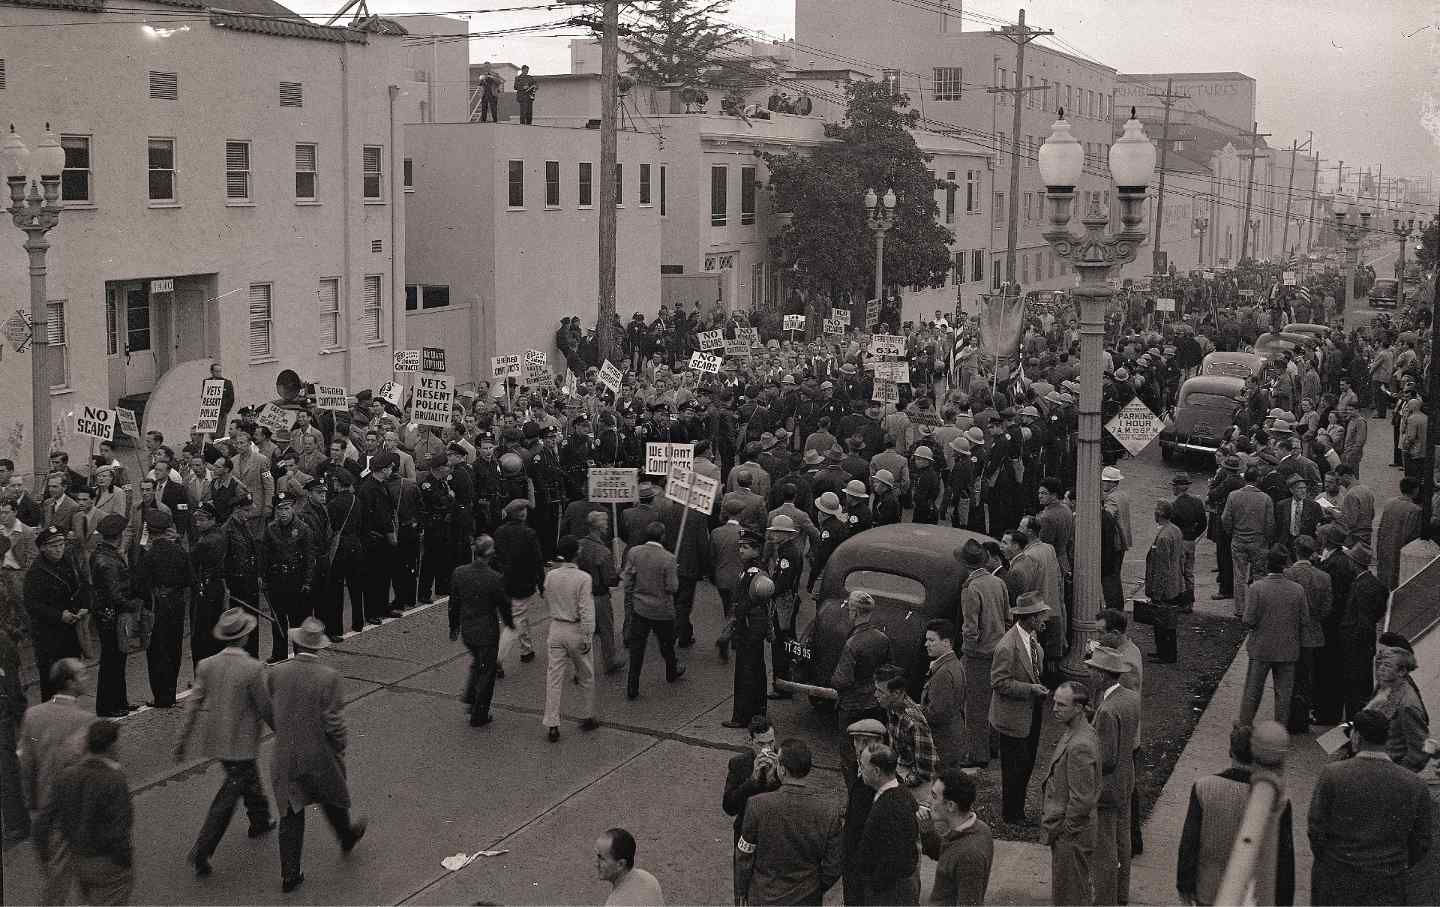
480, 682
437, 562
977, 708
347, 574
1249, 562
1017, 762
1283, 673
640, 629
111, 689
564, 647
684, 604
206, 604
750, 699
1112, 854
100, 878
605, 632
402, 568
290, 606
1070, 868
292, 835
167, 645
242, 782
520, 610
1225, 560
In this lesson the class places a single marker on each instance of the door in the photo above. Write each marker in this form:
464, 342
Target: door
138, 349
187, 323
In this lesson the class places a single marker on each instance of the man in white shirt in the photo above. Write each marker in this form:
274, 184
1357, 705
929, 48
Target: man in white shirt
630, 886
568, 591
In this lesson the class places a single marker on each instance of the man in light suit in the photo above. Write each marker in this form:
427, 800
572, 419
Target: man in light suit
1117, 725
1275, 617
308, 763
1297, 515
1017, 701
1072, 790
229, 701
1249, 520
52, 734
17, 553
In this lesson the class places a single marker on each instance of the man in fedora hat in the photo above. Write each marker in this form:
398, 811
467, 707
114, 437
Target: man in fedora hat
1017, 702
308, 762
861, 797
834, 529
1117, 724
229, 702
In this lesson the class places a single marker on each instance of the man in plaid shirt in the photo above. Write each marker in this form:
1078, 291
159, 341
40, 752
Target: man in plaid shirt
919, 764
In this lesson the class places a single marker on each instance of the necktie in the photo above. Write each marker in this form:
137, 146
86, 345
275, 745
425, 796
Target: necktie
1295, 518
1036, 658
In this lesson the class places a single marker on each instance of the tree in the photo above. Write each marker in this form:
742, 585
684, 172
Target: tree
677, 42
827, 247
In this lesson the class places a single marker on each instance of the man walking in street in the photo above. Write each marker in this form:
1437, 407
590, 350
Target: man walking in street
1249, 520
651, 579
167, 579
1117, 725
1319, 602
308, 763
479, 605
229, 702
1071, 792
886, 854
943, 697
1165, 582
83, 833
1275, 617
287, 563
519, 558
594, 558
572, 627
790, 845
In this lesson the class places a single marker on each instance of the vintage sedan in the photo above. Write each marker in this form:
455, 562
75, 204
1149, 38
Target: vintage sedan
1321, 331
911, 571
1233, 365
1205, 411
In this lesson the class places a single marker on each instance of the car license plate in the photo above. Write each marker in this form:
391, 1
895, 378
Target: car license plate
797, 650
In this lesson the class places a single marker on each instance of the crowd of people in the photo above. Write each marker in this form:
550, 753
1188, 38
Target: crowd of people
351, 517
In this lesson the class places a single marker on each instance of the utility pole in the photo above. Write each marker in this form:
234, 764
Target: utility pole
1427, 475
1289, 188
1314, 191
609, 73
1168, 99
1019, 35
1254, 135
1340, 178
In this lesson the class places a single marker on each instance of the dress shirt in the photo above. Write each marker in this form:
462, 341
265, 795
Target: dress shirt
1032, 650
917, 760
1295, 507
568, 592
893, 782
10, 533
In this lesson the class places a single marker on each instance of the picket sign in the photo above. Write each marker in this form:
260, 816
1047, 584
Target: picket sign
610, 376
391, 392
661, 456
331, 397
95, 422
212, 395
794, 322
749, 334
611, 485
704, 362
712, 340
128, 423
887, 345
505, 366
834, 326
893, 372
840, 315
407, 361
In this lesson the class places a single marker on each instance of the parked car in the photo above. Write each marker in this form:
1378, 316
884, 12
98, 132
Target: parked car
1233, 365
911, 571
1204, 411
1321, 331
1384, 293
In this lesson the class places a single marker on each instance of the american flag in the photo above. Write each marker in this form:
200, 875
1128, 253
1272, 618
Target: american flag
1304, 294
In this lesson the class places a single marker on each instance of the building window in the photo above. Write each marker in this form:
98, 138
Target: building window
57, 337
162, 170
328, 295
1002, 145
552, 184
662, 190
434, 297
260, 321
516, 196
307, 175
619, 185
75, 180
977, 265
292, 94
370, 313
972, 191
164, 86
949, 83
747, 196
950, 197
237, 171
1069, 96
587, 195
957, 269
1025, 266
645, 184
1045, 93
1029, 95
2, 73
1027, 207
137, 326
374, 173
719, 200
1001, 212
407, 174
757, 285
112, 325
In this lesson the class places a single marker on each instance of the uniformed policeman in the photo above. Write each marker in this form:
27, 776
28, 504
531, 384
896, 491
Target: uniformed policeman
314, 513
243, 533
752, 626
577, 455
287, 563
347, 567
207, 600
166, 578
834, 528
437, 515
487, 484
113, 594
857, 507
462, 483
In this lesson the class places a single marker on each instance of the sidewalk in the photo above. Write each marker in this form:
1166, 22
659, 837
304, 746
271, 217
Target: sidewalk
1152, 877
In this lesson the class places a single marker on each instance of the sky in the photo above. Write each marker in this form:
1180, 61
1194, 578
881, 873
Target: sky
1363, 75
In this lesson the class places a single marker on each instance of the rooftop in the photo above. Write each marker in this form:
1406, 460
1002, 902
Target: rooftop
265, 17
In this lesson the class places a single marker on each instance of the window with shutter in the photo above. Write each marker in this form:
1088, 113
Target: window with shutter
292, 94
719, 195
585, 184
552, 184
260, 322
374, 173
307, 176
663, 198
237, 171
747, 195
619, 185
329, 298
515, 196
112, 324
977, 265
56, 336
370, 314
957, 269
2, 73
950, 197
162, 170
75, 180
164, 86
644, 184
407, 174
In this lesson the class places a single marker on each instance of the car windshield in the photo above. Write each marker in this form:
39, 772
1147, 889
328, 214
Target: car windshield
1210, 401
886, 585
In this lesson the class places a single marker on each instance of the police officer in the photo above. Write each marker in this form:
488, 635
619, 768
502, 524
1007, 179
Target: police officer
857, 507
783, 563
752, 627
548, 477
577, 455
437, 515
347, 567
462, 483
165, 575
315, 514
287, 563
207, 600
834, 528
243, 533
113, 595
403, 569
487, 484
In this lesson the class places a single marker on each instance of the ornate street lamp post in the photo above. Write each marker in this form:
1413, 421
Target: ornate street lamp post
1094, 256
36, 215
1351, 233
879, 217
